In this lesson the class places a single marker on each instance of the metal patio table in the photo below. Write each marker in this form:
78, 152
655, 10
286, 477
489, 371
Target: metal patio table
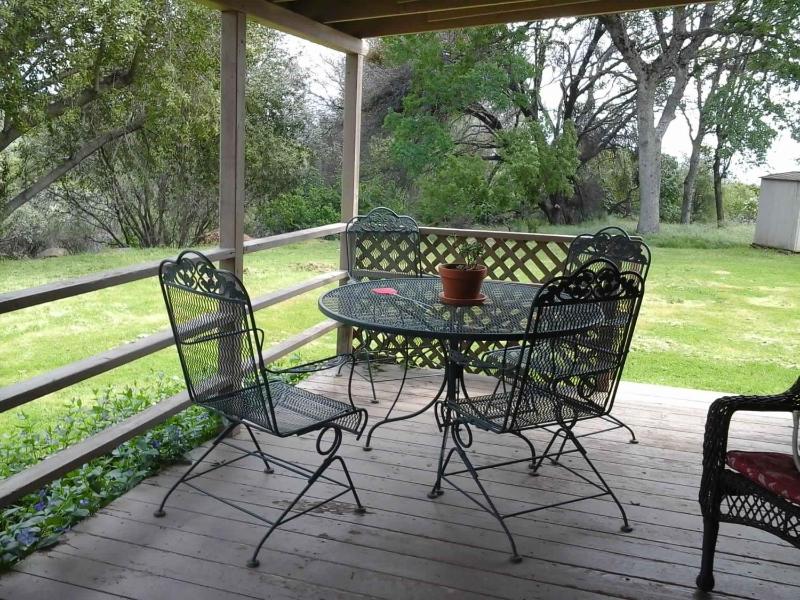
416, 311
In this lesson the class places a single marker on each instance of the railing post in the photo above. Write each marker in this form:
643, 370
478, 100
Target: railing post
351, 148
231, 138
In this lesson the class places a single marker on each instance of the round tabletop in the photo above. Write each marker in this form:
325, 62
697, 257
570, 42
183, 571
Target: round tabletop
416, 310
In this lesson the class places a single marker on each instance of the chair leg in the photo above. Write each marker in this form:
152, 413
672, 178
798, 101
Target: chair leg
160, 512
267, 468
626, 526
329, 460
705, 580
532, 450
489, 507
616, 421
436, 490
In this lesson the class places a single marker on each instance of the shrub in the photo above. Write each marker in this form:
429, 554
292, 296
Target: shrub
305, 207
37, 520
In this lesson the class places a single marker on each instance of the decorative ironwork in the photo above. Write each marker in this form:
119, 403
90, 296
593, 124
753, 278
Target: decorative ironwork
727, 496
220, 350
568, 370
611, 243
381, 244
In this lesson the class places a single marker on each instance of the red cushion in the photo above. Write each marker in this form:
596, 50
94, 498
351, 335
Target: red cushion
772, 470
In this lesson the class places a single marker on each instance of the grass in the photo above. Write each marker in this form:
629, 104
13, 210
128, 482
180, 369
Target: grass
718, 314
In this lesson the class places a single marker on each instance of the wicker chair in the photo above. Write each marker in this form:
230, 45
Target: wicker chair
220, 349
384, 245
759, 489
567, 371
610, 243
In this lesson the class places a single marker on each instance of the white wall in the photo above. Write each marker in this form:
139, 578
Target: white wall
778, 224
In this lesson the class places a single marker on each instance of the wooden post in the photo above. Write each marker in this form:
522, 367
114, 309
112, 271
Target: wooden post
351, 158
231, 138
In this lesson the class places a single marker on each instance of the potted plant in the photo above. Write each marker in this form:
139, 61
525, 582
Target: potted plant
461, 282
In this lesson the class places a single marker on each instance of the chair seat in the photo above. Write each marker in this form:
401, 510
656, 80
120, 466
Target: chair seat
489, 412
570, 360
296, 410
773, 471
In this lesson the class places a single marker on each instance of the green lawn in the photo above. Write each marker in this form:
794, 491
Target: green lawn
724, 318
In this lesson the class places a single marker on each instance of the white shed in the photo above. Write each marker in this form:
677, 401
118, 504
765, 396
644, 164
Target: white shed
778, 224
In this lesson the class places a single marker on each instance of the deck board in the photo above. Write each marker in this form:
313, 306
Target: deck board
410, 547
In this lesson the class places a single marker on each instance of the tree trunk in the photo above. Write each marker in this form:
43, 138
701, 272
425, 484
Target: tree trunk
649, 151
690, 182
718, 189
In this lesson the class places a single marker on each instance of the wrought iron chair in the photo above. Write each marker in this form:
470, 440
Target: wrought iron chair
759, 489
383, 245
610, 243
567, 371
220, 349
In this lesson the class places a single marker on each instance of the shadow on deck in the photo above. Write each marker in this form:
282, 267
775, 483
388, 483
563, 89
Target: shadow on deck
410, 547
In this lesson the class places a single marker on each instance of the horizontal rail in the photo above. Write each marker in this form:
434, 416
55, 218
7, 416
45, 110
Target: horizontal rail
20, 393
62, 462
11, 301
508, 235
56, 290
292, 237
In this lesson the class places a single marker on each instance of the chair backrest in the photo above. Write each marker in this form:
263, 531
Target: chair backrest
611, 243
578, 337
215, 334
382, 244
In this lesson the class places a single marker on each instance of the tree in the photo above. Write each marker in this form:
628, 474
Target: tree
478, 93
58, 58
659, 53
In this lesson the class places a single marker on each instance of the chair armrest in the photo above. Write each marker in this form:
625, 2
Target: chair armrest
715, 443
491, 361
331, 362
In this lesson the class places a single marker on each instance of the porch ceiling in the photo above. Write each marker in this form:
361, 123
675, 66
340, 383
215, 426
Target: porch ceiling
343, 25
390, 17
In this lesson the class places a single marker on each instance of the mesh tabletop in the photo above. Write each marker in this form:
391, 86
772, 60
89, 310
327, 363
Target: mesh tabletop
417, 311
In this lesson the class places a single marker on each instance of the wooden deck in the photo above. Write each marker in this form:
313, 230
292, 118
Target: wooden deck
409, 547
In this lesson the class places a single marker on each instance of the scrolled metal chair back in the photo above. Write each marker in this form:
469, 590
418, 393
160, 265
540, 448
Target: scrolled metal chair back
382, 244
578, 338
611, 243
215, 334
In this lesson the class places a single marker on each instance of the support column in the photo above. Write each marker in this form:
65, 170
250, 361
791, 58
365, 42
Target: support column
231, 138
351, 160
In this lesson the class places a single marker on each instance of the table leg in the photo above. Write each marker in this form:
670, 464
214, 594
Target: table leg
449, 383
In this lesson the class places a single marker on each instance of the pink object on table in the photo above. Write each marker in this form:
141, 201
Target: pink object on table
385, 291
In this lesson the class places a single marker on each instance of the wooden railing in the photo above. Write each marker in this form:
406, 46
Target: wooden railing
26, 391
509, 256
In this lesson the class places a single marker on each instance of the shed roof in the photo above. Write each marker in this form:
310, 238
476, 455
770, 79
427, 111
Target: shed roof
788, 176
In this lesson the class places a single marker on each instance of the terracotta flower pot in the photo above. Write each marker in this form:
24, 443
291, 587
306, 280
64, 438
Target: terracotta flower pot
461, 284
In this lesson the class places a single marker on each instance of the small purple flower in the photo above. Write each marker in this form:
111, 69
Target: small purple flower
41, 505
83, 502
26, 537
155, 444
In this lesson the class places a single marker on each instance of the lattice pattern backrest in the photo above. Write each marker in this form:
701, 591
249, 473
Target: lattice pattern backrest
611, 243
506, 259
578, 339
212, 321
381, 244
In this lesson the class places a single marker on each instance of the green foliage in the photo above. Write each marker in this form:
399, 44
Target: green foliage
465, 134
308, 206
671, 189
741, 202
457, 193
471, 253
38, 519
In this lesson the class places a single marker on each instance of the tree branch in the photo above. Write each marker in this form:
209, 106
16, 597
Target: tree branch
73, 161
